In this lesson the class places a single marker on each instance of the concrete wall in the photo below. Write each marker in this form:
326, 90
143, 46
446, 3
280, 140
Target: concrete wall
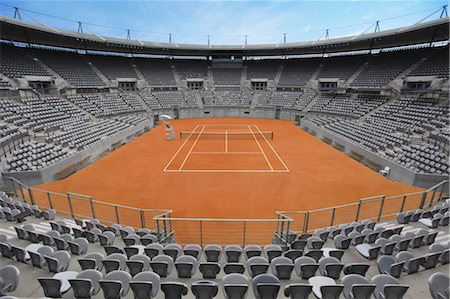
88, 155
397, 173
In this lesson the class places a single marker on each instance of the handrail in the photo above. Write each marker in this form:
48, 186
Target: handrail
284, 223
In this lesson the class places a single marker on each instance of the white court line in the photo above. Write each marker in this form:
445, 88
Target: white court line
226, 141
173, 158
227, 125
226, 170
192, 147
227, 153
282, 162
259, 145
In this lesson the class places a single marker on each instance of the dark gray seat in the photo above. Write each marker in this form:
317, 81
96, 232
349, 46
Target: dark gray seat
305, 267
172, 250
272, 251
209, 269
282, 267
204, 289
356, 268
194, 250
257, 265
438, 285
145, 285
86, 283
293, 254
412, 264
233, 253
186, 266
331, 267
174, 290
138, 263
115, 261
387, 286
389, 265
58, 261
298, 290
9, 279
357, 286
162, 265
115, 284
235, 285
252, 251
368, 251
213, 253
92, 261
153, 249
266, 286
229, 268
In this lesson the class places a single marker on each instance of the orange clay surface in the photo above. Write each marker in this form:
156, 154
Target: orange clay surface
319, 175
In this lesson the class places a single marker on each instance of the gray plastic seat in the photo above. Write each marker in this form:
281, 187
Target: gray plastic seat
92, 235
37, 258
342, 242
266, 286
282, 267
402, 243
368, 251
252, 251
174, 290
331, 267
209, 269
444, 252
389, 265
416, 240
58, 285
186, 266
143, 231
204, 289
305, 267
145, 285
387, 286
132, 239
162, 265
316, 254
92, 261
403, 218
357, 286
298, 290
314, 242
438, 284
79, 246
387, 247
233, 253
148, 239
153, 249
9, 279
229, 268
298, 244
213, 253
325, 287
357, 238
5, 248
430, 260
293, 254
172, 250
115, 284
194, 250
235, 285
412, 264
272, 251
257, 265
356, 268
370, 235
86, 283
115, 261
58, 261
138, 263
106, 238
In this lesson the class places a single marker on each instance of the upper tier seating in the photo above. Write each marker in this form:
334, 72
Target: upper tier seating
224, 76
72, 67
114, 67
262, 69
191, 69
16, 63
156, 71
297, 72
340, 67
383, 68
435, 65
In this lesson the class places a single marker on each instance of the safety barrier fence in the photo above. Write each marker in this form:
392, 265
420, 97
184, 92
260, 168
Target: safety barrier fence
375, 208
227, 231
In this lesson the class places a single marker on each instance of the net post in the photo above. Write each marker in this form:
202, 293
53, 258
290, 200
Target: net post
70, 205
49, 200
92, 207
201, 233
380, 212
117, 214
245, 233
332, 216
403, 203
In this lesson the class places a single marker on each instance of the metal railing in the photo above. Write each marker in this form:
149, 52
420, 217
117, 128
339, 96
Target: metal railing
224, 230
374, 208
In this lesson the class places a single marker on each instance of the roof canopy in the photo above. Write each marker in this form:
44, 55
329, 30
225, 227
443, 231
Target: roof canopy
19, 31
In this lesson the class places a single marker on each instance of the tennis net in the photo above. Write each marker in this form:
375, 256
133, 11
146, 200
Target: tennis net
231, 135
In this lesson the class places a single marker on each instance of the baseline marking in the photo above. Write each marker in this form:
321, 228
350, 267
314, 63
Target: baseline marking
226, 170
282, 162
192, 147
174, 156
260, 148
227, 153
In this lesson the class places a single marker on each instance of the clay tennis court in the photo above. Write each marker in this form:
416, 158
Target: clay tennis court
290, 171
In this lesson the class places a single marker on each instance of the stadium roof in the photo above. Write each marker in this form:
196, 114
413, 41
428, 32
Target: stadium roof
19, 31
